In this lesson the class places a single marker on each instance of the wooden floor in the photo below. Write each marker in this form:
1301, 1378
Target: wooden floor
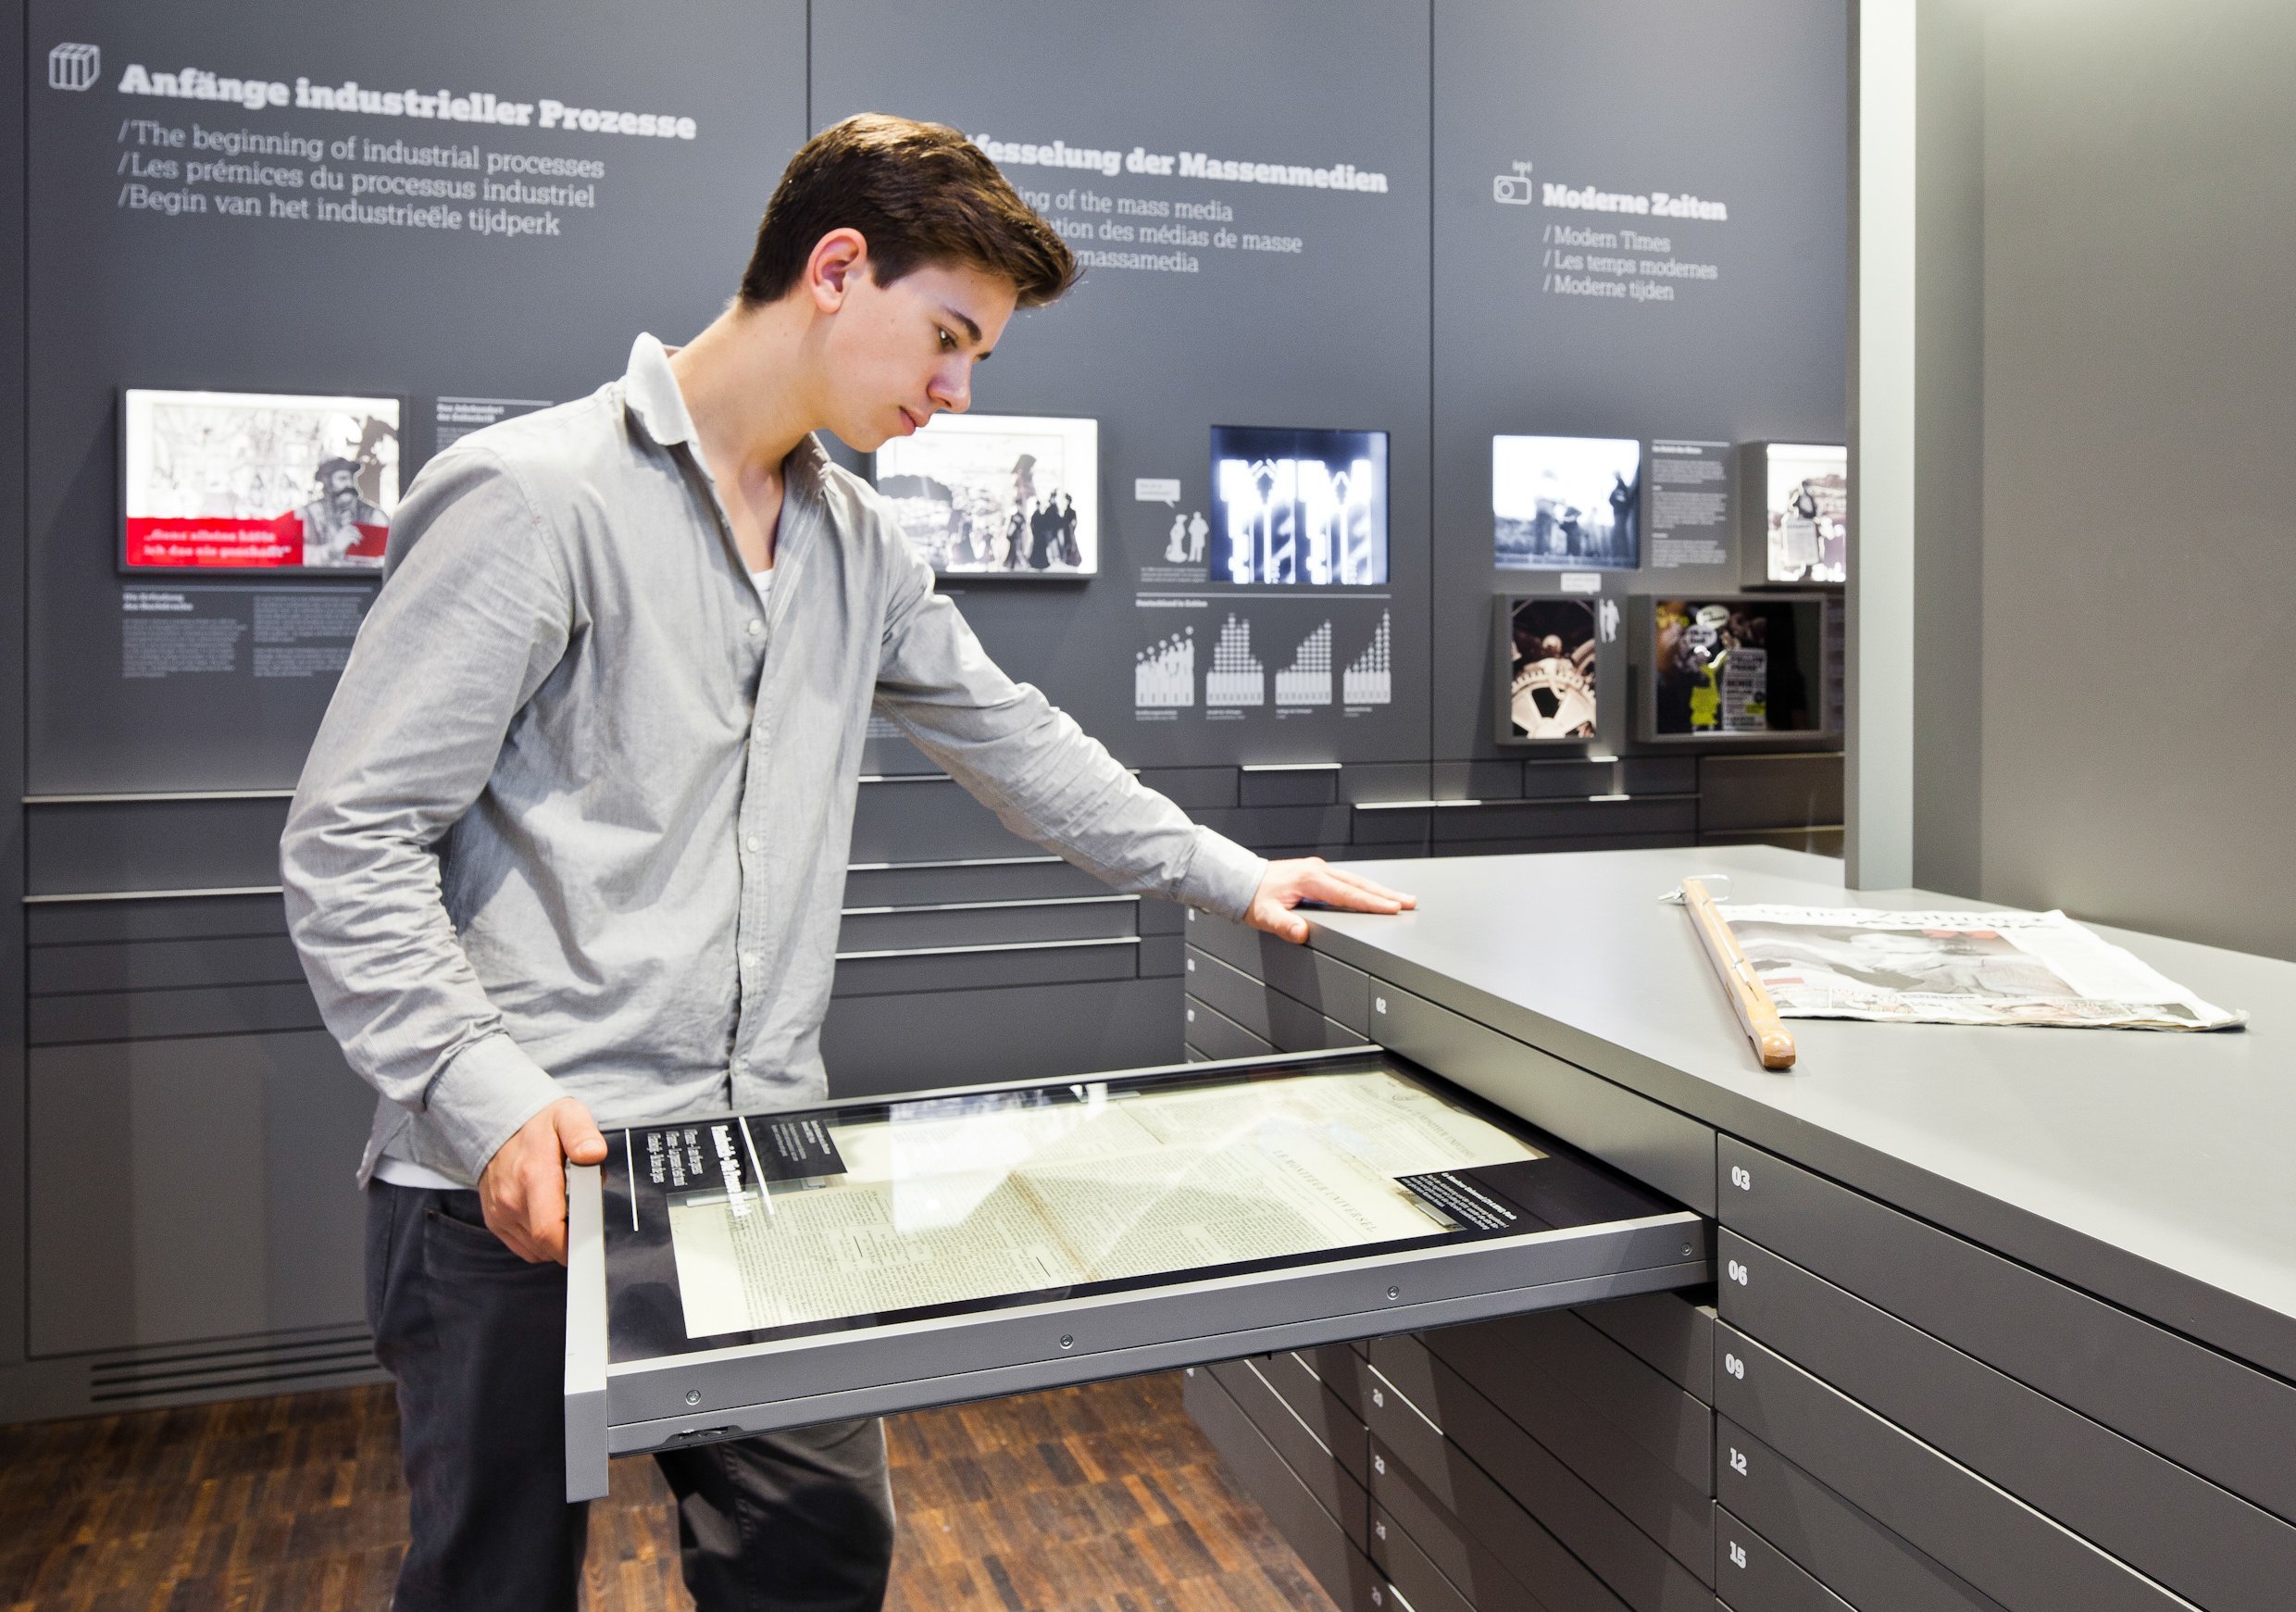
1103, 1499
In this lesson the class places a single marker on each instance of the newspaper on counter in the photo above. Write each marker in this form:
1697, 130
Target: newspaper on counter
1958, 968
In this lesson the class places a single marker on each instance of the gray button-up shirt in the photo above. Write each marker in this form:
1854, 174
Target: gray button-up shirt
576, 821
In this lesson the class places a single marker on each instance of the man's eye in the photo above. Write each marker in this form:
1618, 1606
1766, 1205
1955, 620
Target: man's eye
948, 342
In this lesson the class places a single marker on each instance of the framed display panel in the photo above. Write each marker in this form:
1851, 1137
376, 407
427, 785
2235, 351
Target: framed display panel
255, 482
1298, 508
1568, 504
1743, 670
1794, 511
1545, 652
989, 495
737, 1274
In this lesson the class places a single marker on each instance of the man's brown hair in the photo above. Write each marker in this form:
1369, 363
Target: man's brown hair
919, 194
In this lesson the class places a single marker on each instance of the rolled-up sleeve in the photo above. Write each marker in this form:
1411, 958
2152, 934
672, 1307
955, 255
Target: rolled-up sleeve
1044, 777
475, 613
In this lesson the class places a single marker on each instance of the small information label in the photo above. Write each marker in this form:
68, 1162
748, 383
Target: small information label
1582, 581
1155, 490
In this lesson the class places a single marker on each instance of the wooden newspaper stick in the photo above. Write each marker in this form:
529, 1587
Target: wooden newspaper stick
1749, 997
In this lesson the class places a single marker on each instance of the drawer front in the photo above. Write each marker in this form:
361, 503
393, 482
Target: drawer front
1648, 1141
2002, 1546
1829, 1539
1661, 1420
1485, 1447
1753, 1575
1314, 1463
1324, 984
1323, 1546
1483, 1533
2202, 1409
1423, 1586
1288, 1025
1216, 1035
1339, 1429
1666, 1330
1674, 1510
2205, 1543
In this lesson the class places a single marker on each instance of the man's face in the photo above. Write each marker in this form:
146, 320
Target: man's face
900, 354
341, 487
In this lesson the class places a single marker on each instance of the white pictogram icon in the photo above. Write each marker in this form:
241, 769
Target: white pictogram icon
74, 67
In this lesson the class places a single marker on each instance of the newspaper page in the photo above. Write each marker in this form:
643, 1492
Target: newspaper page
1958, 968
973, 1198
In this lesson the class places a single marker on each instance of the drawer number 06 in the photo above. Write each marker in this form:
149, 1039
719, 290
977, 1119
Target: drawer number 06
1737, 1273
1735, 1367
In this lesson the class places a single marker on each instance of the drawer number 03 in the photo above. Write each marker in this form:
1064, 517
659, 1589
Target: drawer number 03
1735, 1367
1738, 1462
1737, 1273
1741, 1178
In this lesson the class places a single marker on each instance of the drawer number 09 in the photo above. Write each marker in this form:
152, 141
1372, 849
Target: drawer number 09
1735, 1367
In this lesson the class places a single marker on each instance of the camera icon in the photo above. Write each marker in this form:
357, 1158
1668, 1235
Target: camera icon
1511, 188
74, 67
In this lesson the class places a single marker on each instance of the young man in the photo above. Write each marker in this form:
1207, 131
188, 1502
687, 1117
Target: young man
569, 846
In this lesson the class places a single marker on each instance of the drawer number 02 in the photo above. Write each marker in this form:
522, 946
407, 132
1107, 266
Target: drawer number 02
1735, 1367
1737, 1273
1738, 1462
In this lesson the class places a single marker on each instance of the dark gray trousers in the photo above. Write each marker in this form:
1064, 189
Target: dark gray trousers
798, 1521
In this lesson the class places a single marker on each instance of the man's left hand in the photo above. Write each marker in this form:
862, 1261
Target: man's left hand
1286, 884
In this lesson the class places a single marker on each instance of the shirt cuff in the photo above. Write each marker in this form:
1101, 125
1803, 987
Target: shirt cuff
1222, 876
483, 1094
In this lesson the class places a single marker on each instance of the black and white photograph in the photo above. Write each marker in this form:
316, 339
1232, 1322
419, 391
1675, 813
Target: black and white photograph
1298, 508
1566, 503
1547, 650
243, 481
1808, 513
998, 495
1730, 666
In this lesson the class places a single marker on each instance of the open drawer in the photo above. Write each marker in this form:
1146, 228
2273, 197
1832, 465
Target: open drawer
735, 1275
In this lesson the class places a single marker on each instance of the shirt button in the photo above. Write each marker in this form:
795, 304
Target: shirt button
754, 842
757, 629
749, 959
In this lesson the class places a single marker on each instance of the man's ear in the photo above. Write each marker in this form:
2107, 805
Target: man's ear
837, 260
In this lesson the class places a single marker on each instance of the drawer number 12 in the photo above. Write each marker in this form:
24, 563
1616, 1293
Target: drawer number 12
1738, 1462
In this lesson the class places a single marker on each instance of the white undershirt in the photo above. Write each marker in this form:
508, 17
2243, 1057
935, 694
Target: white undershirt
398, 1172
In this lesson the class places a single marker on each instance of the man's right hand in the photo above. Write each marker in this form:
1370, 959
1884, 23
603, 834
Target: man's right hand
523, 1189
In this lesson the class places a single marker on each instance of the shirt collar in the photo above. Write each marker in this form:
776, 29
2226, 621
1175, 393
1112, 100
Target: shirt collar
650, 388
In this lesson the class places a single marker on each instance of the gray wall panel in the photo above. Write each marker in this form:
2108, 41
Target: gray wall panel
910, 1043
928, 820
165, 964
1324, 984
146, 1014
2207, 1545
1216, 1035
1752, 1575
177, 918
1055, 962
1768, 792
2170, 367
1667, 1330
14, 399
1313, 1461
193, 1189
988, 924
92, 847
1032, 878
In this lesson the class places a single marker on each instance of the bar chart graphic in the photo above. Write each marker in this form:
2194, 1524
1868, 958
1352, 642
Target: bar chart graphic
1307, 680
1370, 677
1236, 678
1164, 675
